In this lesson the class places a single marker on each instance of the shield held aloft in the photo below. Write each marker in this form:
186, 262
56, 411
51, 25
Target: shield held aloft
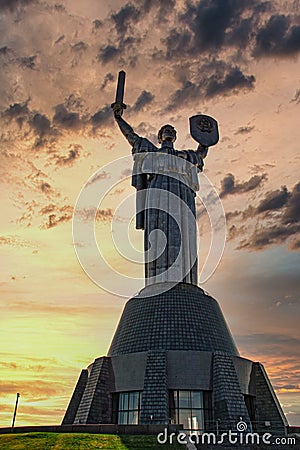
204, 129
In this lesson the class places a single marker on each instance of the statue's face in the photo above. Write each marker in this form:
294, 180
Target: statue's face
167, 133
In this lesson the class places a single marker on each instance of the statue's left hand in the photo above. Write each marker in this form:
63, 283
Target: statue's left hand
202, 150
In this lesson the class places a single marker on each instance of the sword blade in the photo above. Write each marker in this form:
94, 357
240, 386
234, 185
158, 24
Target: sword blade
120, 87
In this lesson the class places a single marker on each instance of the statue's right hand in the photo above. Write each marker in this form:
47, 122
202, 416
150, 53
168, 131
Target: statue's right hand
117, 109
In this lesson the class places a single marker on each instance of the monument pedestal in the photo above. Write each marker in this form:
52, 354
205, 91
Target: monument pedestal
173, 360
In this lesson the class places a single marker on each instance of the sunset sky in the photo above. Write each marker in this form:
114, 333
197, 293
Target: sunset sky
235, 60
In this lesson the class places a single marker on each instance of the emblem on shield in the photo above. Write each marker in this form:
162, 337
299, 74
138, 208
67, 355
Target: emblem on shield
204, 129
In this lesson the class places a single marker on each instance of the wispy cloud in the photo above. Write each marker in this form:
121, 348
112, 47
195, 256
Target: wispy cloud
36, 389
56, 214
72, 155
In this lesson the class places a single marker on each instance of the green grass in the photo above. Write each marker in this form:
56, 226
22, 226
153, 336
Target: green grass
81, 441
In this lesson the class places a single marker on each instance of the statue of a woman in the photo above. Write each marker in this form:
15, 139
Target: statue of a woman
166, 180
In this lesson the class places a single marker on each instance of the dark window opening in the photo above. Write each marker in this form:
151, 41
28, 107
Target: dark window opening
250, 405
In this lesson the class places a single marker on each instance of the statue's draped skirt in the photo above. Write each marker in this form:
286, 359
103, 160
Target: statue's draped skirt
178, 261
169, 222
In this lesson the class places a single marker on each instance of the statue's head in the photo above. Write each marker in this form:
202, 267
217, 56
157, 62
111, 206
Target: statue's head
167, 133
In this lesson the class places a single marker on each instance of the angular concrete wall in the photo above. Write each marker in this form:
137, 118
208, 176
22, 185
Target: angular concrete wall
71, 412
229, 405
96, 402
154, 407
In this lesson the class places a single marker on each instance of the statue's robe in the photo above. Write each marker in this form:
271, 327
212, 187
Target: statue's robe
166, 181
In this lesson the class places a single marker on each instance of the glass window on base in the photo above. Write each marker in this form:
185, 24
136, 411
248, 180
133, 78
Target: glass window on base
192, 409
127, 406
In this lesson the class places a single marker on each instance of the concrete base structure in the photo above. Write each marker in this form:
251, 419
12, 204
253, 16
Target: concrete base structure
173, 360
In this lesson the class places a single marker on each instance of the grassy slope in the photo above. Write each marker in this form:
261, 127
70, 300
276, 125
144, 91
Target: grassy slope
81, 441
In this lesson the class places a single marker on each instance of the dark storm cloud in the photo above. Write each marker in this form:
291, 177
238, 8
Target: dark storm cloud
284, 227
108, 53
212, 25
164, 7
144, 99
184, 95
28, 62
13, 4
177, 41
41, 124
17, 110
274, 200
73, 102
215, 78
233, 81
102, 117
147, 130
124, 17
126, 22
124, 49
65, 118
108, 77
275, 234
97, 24
211, 20
252, 183
130, 14
278, 37
281, 199
70, 116
4, 51
229, 186
292, 212
239, 35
